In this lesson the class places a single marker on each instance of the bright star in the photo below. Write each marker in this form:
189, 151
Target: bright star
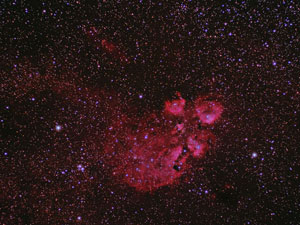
57, 127
254, 155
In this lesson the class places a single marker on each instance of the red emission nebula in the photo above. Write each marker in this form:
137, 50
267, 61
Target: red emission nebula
153, 151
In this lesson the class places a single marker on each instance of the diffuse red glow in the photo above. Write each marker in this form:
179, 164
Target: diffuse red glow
147, 152
175, 107
208, 112
153, 151
108, 46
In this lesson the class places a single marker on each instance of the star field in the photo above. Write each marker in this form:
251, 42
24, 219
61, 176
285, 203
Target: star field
79, 77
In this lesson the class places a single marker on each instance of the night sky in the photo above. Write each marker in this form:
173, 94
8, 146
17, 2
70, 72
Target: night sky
84, 89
